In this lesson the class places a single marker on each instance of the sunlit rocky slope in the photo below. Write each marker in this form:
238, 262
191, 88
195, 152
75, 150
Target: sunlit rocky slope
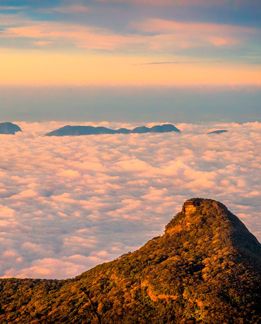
205, 268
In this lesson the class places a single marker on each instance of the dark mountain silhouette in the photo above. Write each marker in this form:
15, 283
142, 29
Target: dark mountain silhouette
141, 130
91, 130
205, 268
123, 131
218, 131
9, 128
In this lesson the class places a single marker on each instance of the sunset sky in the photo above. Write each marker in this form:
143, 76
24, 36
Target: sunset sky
129, 43
167, 42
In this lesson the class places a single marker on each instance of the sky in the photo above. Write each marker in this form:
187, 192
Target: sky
130, 42
132, 104
69, 203
130, 60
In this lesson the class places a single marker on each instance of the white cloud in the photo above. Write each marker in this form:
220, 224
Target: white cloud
69, 203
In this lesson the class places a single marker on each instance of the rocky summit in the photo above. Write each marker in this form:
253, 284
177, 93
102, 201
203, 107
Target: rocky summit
205, 268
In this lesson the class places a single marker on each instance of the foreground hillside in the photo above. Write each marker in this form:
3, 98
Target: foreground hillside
205, 268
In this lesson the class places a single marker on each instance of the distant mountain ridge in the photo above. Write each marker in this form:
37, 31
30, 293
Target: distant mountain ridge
218, 131
69, 130
205, 268
9, 128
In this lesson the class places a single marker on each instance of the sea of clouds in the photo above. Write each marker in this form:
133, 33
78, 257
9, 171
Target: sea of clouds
69, 203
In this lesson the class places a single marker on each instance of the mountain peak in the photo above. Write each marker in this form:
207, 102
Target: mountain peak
201, 211
9, 128
208, 224
196, 211
206, 268
203, 207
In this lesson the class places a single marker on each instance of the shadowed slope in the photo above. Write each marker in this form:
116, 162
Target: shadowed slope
205, 268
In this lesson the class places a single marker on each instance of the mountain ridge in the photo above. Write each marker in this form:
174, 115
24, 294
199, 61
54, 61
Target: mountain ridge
205, 268
217, 132
69, 130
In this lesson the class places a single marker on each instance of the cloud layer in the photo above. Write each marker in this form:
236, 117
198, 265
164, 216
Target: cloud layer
67, 204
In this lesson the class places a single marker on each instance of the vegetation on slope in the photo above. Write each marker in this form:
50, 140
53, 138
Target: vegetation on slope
206, 268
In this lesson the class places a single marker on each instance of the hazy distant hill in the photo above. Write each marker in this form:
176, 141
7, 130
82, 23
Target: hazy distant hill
9, 128
218, 131
206, 268
91, 130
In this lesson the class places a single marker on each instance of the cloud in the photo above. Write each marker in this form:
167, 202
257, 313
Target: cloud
69, 203
193, 34
84, 37
156, 25
150, 34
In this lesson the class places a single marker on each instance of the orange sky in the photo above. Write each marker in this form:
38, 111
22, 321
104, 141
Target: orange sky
129, 42
37, 67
